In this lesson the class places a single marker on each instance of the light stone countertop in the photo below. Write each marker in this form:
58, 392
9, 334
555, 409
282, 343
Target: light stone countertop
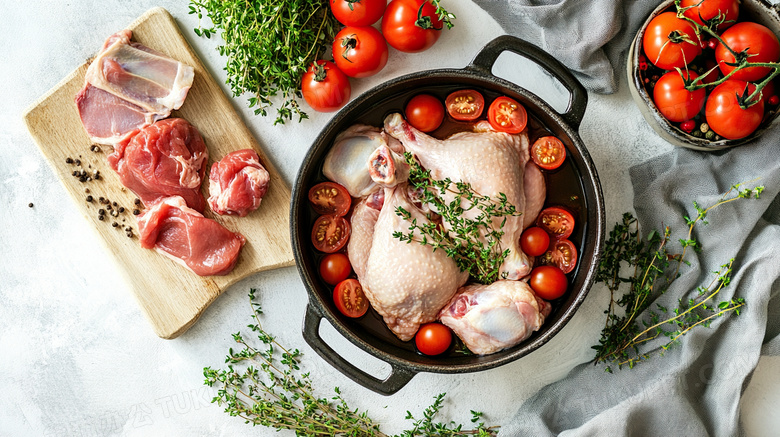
80, 359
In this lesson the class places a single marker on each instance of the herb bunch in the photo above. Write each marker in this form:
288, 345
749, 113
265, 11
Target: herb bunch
263, 385
653, 266
474, 243
269, 44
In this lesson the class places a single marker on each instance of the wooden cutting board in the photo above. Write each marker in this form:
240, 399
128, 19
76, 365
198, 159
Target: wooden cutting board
171, 296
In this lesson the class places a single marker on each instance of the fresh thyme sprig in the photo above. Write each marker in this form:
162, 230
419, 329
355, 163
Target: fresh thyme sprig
264, 386
443, 15
269, 44
474, 243
649, 262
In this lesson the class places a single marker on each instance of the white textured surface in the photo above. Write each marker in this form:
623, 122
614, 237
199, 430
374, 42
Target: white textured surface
78, 357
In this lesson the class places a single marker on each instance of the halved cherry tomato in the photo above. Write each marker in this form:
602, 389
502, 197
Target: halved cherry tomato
506, 115
360, 51
330, 233
350, 298
330, 198
335, 268
425, 112
558, 222
534, 241
465, 105
548, 152
561, 254
433, 338
549, 282
358, 12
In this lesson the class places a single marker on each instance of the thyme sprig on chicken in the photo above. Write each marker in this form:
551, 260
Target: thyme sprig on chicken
263, 384
653, 266
473, 243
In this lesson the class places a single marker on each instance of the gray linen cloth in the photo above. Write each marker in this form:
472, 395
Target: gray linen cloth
695, 388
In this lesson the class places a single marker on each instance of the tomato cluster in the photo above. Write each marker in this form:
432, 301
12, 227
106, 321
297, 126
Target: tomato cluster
555, 254
360, 50
330, 234
677, 51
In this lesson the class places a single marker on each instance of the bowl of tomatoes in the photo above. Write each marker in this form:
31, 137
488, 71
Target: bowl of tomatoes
705, 73
572, 217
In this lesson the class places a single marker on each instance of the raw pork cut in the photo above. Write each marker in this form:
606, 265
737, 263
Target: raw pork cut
183, 234
492, 162
489, 318
165, 159
145, 86
237, 183
406, 283
109, 119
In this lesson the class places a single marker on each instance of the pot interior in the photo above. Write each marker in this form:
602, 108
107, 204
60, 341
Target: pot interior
574, 186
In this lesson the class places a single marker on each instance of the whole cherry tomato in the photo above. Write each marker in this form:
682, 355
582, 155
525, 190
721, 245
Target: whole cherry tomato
411, 25
433, 338
425, 112
761, 44
358, 12
335, 268
726, 117
359, 51
670, 42
549, 282
674, 101
534, 241
709, 9
324, 87
350, 299
507, 115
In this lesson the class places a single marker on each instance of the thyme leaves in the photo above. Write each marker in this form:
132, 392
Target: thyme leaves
632, 320
268, 44
263, 384
472, 240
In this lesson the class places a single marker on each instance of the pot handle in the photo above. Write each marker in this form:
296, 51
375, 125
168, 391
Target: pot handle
397, 379
578, 99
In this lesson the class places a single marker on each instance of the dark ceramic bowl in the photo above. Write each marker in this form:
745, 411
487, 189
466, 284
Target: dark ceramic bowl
581, 192
759, 11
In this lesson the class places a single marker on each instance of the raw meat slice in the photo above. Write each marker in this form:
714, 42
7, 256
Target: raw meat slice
237, 183
489, 318
129, 86
107, 118
165, 159
183, 234
140, 75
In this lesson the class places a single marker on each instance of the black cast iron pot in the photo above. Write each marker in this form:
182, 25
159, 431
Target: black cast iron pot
576, 187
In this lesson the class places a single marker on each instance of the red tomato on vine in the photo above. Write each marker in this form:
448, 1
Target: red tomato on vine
411, 25
670, 42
